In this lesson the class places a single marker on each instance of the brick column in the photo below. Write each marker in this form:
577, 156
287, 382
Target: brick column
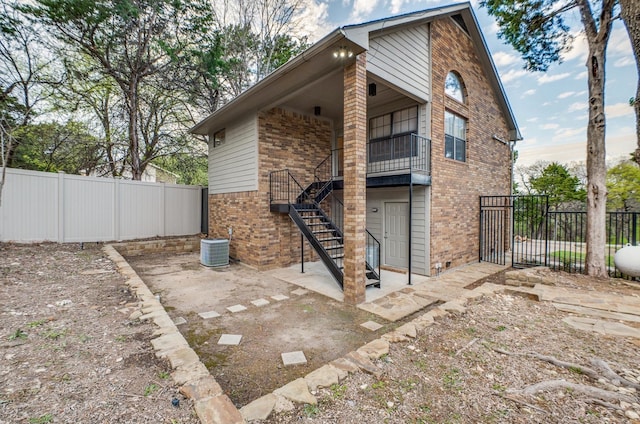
355, 179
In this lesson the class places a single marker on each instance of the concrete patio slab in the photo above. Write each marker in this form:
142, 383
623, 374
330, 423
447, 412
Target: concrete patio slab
371, 325
293, 358
230, 339
208, 315
279, 297
260, 302
236, 308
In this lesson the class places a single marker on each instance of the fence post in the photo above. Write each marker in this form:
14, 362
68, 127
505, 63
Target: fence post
60, 206
163, 210
116, 208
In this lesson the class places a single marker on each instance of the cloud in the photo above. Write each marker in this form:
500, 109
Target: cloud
362, 9
505, 59
579, 48
566, 94
581, 75
311, 19
619, 43
534, 119
546, 78
549, 126
512, 74
577, 107
618, 109
529, 92
564, 134
396, 6
624, 61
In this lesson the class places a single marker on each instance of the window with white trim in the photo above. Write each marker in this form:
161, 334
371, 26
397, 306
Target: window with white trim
455, 136
390, 135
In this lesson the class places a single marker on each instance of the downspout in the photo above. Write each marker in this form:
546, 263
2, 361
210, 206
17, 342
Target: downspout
410, 202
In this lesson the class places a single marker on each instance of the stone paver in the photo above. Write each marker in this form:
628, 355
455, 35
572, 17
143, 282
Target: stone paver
371, 325
300, 292
583, 310
218, 410
603, 327
208, 315
230, 339
259, 409
279, 297
297, 391
374, 349
260, 302
179, 321
294, 358
236, 308
324, 376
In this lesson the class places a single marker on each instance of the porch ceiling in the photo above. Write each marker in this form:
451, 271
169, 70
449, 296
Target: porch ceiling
327, 92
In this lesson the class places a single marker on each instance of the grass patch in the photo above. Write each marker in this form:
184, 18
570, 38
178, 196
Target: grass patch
452, 379
568, 257
43, 419
338, 390
151, 389
18, 334
311, 410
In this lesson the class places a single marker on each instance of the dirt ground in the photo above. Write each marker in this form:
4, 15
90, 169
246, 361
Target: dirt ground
322, 328
69, 353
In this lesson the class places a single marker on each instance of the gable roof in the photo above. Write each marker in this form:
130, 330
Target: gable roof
318, 61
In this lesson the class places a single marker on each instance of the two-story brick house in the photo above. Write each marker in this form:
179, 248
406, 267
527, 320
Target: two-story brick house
375, 144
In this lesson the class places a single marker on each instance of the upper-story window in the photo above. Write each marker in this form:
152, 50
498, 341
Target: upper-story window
453, 87
390, 135
455, 136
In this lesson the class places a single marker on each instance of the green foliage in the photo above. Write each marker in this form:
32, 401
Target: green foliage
310, 410
53, 147
557, 182
623, 185
535, 28
191, 167
150, 389
18, 334
452, 379
43, 419
338, 390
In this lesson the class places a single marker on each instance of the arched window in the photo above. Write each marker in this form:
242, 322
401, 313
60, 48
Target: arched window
453, 87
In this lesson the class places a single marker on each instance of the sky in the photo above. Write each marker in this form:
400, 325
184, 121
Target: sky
551, 107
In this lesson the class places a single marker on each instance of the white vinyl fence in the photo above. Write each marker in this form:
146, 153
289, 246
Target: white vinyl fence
41, 206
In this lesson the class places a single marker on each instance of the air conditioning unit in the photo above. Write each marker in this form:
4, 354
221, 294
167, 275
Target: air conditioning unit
214, 252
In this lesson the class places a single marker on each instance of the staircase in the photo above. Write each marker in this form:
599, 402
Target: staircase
322, 233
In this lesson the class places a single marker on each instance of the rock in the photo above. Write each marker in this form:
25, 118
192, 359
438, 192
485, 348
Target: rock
259, 409
631, 414
135, 315
200, 389
322, 377
363, 363
375, 349
297, 391
394, 337
218, 410
344, 365
408, 329
189, 373
453, 306
283, 404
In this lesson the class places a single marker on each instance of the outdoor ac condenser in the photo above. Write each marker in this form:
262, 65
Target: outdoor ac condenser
214, 252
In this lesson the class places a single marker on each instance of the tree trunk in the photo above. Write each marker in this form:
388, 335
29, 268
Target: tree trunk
630, 13
133, 105
597, 38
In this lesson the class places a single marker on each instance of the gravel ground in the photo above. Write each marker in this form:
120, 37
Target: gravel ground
452, 373
68, 352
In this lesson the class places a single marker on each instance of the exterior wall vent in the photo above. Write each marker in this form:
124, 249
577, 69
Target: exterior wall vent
214, 252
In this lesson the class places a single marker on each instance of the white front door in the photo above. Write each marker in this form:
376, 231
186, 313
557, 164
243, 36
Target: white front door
396, 234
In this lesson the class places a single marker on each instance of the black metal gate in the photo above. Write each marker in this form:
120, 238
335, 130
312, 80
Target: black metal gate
516, 228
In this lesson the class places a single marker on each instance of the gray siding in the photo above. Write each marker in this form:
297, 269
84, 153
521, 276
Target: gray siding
420, 225
402, 58
233, 166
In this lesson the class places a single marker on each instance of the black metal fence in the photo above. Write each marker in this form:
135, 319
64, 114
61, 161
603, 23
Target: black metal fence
525, 229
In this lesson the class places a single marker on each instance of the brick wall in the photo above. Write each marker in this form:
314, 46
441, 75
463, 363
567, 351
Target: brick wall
456, 185
165, 245
261, 238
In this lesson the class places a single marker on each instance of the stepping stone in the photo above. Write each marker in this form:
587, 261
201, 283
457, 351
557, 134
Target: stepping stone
300, 292
230, 339
207, 315
260, 302
236, 308
293, 358
279, 297
179, 321
371, 325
